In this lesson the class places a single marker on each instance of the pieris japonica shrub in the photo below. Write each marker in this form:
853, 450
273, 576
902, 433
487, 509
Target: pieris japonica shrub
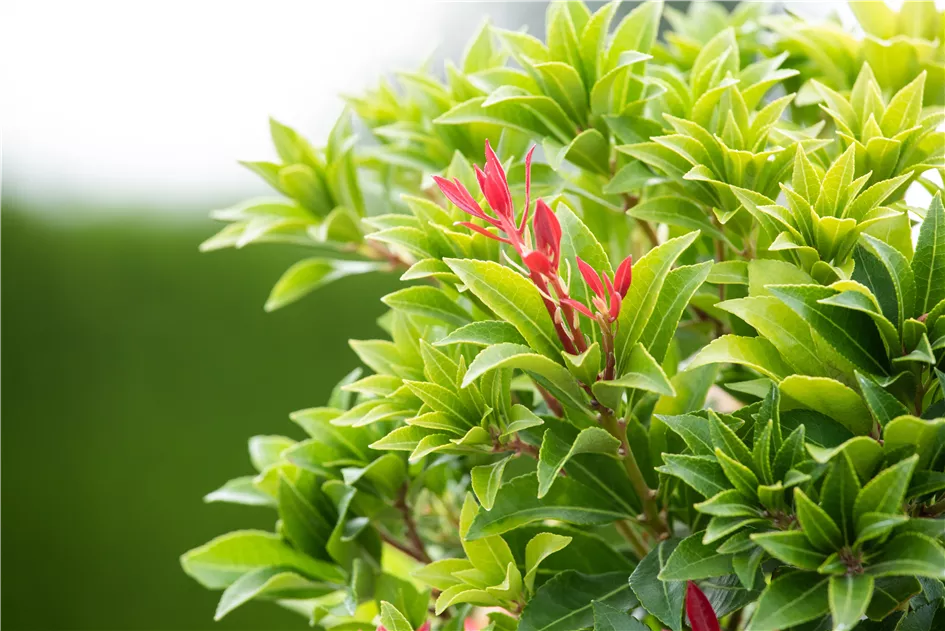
669, 349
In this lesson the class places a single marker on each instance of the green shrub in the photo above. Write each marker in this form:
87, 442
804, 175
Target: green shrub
686, 367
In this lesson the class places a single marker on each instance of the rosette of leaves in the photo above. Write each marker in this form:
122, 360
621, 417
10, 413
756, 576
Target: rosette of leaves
879, 333
724, 137
336, 501
824, 214
892, 137
401, 115
691, 31
322, 208
569, 90
903, 44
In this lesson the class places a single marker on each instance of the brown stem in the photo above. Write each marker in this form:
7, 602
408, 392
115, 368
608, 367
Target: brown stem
568, 314
553, 404
403, 547
936, 509
420, 551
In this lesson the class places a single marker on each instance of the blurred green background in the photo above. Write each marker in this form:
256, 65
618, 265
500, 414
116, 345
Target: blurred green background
134, 369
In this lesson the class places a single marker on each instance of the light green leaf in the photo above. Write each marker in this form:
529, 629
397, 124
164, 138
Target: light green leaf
555, 453
820, 529
928, 264
909, 554
539, 548
223, 560
829, 397
513, 299
641, 372
849, 597
427, 301
551, 375
484, 333
754, 352
310, 274
680, 286
703, 473
649, 274
885, 492
270, 583
486, 480
517, 504
392, 619
884, 406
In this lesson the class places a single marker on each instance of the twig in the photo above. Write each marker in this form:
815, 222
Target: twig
419, 549
553, 404
636, 544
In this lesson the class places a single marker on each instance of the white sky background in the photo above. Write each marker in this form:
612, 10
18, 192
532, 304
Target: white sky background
111, 104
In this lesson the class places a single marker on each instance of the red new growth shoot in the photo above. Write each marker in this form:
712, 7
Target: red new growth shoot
699, 610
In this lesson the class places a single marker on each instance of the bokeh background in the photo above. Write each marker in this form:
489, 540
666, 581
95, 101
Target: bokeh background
133, 368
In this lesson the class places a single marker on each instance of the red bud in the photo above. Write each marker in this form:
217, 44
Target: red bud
539, 263
494, 185
623, 276
547, 232
699, 610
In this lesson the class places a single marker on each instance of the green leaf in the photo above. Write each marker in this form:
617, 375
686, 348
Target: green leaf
663, 599
830, 398
851, 333
680, 286
849, 596
539, 548
821, 530
427, 301
607, 618
392, 619
693, 560
839, 493
484, 333
791, 547
566, 602
741, 477
884, 406
305, 527
755, 352
649, 274
928, 264
889, 594
240, 490
310, 274
551, 375
268, 582
785, 329
641, 372
513, 299
555, 453
676, 211
486, 479
490, 555
909, 554
908, 434
220, 562
517, 504
790, 600
875, 525
897, 274
885, 492
585, 366
703, 473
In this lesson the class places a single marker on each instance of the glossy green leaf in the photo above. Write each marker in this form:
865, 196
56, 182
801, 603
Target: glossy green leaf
817, 525
566, 602
555, 453
517, 504
830, 398
790, 600
663, 599
539, 548
753, 352
270, 583
308, 275
791, 547
849, 596
693, 560
928, 264
427, 301
486, 479
885, 492
512, 298
909, 554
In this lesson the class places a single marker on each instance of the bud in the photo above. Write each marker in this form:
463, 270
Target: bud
547, 233
591, 278
623, 276
699, 610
